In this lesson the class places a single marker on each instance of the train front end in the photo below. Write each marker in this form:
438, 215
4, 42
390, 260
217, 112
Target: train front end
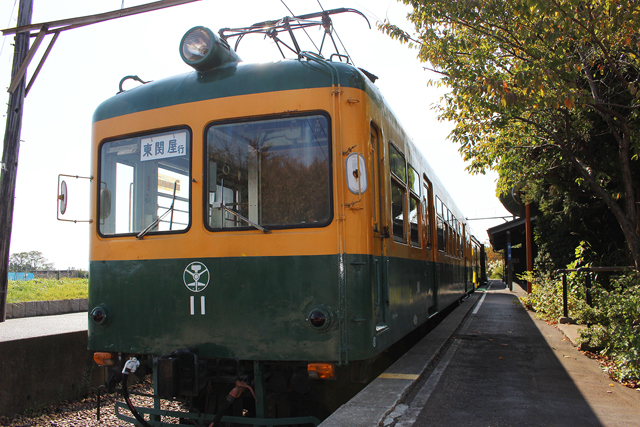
217, 258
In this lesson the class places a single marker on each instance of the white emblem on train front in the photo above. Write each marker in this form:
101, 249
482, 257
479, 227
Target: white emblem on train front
196, 276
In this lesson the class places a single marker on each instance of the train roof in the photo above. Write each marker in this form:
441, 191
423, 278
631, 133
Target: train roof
232, 80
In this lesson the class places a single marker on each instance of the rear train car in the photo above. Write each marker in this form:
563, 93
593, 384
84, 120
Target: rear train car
265, 226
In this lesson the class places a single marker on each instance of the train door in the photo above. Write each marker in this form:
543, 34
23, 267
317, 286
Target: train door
380, 232
430, 271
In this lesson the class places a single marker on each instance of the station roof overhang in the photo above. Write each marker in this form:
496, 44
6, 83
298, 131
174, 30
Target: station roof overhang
516, 230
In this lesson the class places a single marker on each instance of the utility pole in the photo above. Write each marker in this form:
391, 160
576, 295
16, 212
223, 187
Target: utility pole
10, 152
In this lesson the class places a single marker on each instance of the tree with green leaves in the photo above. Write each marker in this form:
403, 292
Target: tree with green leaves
538, 87
28, 261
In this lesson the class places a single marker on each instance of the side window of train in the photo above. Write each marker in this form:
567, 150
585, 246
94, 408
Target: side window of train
458, 246
458, 240
445, 228
414, 206
440, 225
452, 234
454, 239
375, 170
398, 168
426, 215
461, 240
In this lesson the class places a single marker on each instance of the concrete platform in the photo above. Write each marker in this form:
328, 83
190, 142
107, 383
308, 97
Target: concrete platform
385, 393
44, 360
571, 331
40, 326
497, 364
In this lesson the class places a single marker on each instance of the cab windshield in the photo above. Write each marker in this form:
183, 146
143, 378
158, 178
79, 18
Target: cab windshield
272, 172
144, 184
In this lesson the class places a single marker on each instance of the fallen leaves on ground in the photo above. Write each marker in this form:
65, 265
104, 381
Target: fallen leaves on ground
608, 366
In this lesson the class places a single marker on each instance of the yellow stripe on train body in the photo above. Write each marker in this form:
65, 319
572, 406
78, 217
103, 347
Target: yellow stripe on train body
200, 242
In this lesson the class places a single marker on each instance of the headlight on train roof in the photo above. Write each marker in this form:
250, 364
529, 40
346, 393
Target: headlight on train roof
196, 44
203, 50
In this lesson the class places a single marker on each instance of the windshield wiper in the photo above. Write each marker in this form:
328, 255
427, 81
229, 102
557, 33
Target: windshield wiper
158, 219
236, 214
232, 212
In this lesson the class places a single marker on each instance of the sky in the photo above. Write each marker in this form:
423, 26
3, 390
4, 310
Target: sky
86, 65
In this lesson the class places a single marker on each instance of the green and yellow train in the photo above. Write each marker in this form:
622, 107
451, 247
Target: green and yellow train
265, 226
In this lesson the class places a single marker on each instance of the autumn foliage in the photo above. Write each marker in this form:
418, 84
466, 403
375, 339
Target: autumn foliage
538, 86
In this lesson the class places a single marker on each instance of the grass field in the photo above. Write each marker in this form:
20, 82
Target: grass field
47, 289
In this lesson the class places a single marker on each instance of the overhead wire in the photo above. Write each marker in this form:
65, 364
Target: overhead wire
343, 46
4, 39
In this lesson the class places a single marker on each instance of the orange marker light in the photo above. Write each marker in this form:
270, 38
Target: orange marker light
104, 359
323, 371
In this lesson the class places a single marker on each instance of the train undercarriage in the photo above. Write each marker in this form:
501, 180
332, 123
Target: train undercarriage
230, 392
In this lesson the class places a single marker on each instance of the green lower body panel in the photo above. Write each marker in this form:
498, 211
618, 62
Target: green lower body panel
257, 308
248, 308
